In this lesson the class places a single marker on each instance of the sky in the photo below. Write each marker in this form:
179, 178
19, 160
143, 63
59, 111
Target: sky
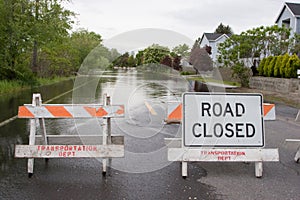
191, 18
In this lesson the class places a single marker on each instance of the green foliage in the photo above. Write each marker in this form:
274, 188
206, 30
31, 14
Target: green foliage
131, 61
261, 66
291, 67
284, 66
224, 29
257, 42
154, 54
285, 60
243, 73
181, 50
277, 66
271, 66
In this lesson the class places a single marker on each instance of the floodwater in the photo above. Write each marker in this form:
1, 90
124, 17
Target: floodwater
143, 173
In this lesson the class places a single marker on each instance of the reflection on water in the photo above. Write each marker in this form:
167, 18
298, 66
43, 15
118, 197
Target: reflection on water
128, 87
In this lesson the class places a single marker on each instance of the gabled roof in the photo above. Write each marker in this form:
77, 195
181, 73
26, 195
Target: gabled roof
212, 37
294, 8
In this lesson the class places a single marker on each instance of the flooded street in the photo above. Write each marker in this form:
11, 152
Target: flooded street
144, 172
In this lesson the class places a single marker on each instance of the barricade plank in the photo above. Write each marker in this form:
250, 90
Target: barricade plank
224, 155
78, 140
70, 111
69, 151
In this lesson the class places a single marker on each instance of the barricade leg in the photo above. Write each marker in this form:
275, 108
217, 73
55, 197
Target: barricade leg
258, 169
184, 169
30, 163
106, 134
297, 156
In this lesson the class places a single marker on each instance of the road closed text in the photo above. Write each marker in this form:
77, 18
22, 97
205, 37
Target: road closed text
223, 129
229, 120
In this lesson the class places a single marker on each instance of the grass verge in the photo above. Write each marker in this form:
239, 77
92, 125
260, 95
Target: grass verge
15, 85
211, 80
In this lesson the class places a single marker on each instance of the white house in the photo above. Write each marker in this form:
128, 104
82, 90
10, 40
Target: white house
290, 17
213, 40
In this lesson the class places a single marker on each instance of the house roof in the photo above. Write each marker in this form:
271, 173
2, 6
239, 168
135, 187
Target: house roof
213, 36
293, 7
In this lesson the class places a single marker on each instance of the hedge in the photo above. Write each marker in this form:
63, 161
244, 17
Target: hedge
284, 66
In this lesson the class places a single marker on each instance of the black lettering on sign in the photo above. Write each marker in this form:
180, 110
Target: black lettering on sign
218, 130
228, 110
250, 130
217, 109
195, 132
229, 128
205, 107
239, 109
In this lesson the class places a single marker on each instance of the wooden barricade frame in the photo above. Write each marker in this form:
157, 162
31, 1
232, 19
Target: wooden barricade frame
205, 154
104, 146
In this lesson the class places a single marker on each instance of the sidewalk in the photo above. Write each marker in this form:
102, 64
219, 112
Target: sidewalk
271, 97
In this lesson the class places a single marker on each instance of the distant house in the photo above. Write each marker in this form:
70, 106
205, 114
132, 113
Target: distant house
213, 40
290, 17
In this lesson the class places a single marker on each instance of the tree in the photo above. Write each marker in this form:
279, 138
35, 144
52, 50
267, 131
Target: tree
176, 63
182, 50
51, 22
131, 61
277, 66
258, 42
224, 29
27, 28
154, 54
167, 61
200, 59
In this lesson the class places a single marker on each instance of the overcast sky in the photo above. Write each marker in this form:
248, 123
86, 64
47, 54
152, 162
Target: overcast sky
188, 17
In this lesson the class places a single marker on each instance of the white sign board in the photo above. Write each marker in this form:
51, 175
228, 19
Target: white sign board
222, 120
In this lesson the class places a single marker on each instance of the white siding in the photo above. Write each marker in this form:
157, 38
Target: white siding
293, 20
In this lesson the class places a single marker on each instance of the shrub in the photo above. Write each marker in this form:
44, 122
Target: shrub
261, 67
266, 65
285, 60
270, 71
277, 66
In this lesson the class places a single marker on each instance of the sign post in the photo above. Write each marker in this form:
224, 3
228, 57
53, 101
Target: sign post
221, 127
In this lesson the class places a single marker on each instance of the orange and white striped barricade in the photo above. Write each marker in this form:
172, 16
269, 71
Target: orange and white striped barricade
46, 146
174, 112
269, 111
221, 127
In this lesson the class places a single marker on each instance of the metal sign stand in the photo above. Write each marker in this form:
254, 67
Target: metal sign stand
70, 146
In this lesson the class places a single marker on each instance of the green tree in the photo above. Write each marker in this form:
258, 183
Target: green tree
285, 60
224, 29
261, 67
267, 64
182, 50
154, 54
277, 66
271, 66
291, 67
131, 61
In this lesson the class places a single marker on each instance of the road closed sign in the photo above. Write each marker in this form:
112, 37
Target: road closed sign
222, 120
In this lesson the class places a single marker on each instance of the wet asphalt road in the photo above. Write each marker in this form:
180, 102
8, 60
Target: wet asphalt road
82, 178
145, 173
